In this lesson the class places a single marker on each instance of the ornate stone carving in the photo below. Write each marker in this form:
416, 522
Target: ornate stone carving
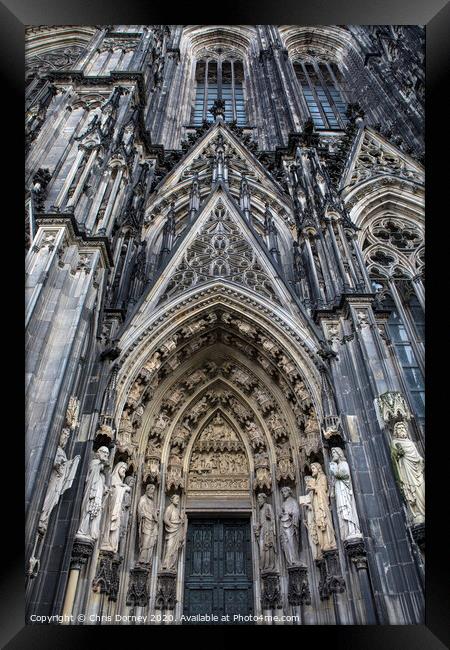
263, 478
113, 509
270, 591
285, 465
94, 493
289, 527
410, 470
166, 591
61, 479
174, 478
356, 551
174, 529
220, 250
218, 462
255, 435
137, 594
147, 515
318, 515
81, 552
310, 440
151, 471
342, 490
160, 425
265, 532
392, 405
298, 586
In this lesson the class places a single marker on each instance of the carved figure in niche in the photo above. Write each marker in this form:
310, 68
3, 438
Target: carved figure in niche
181, 435
410, 468
169, 345
174, 524
160, 425
194, 328
174, 471
151, 366
147, 514
343, 492
321, 508
276, 425
262, 470
309, 521
126, 503
285, 466
289, 527
198, 410
244, 328
264, 400
195, 378
137, 416
94, 493
310, 441
302, 393
135, 393
255, 435
113, 512
61, 479
266, 534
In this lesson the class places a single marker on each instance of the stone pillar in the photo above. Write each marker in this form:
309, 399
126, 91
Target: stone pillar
81, 552
356, 551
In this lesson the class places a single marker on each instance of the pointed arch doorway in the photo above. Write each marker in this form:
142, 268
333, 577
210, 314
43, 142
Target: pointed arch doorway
218, 575
218, 566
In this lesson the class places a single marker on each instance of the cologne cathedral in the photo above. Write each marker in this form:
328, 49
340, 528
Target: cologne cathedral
224, 231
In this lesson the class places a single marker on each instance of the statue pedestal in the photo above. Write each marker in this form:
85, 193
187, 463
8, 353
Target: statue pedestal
270, 590
298, 586
166, 591
137, 594
418, 533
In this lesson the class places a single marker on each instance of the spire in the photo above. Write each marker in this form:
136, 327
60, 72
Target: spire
271, 234
244, 198
194, 198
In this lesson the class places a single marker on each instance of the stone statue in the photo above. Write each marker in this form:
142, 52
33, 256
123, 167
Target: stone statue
113, 516
61, 479
309, 520
410, 469
266, 534
321, 508
343, 492
174, 522
94, 492
148, 524
124, 521
289, 523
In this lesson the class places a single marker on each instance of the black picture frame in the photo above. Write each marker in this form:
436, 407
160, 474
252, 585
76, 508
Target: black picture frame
435, 15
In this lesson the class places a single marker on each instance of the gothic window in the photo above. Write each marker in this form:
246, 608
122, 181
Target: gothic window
401, 336
219, 79
321, 85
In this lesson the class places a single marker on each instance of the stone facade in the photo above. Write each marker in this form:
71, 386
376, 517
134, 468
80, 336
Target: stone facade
222, 290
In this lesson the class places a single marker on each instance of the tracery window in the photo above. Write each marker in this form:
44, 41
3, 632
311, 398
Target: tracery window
393, 251
219, 79
321, 85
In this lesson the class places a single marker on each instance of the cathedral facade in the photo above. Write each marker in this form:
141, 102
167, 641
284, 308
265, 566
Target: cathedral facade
225, 324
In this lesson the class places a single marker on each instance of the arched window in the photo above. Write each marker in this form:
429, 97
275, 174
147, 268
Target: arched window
405, 322
219, 79
321, 85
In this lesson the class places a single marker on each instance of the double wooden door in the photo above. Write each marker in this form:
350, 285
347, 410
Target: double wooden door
218, 572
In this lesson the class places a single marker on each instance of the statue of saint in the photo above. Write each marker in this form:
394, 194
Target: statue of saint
309, 520
289, 523
61, 479
321, 508
148, 524
174, 522
266, 534
94, 492
343, 492
410, 469
113, 517
124, 523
